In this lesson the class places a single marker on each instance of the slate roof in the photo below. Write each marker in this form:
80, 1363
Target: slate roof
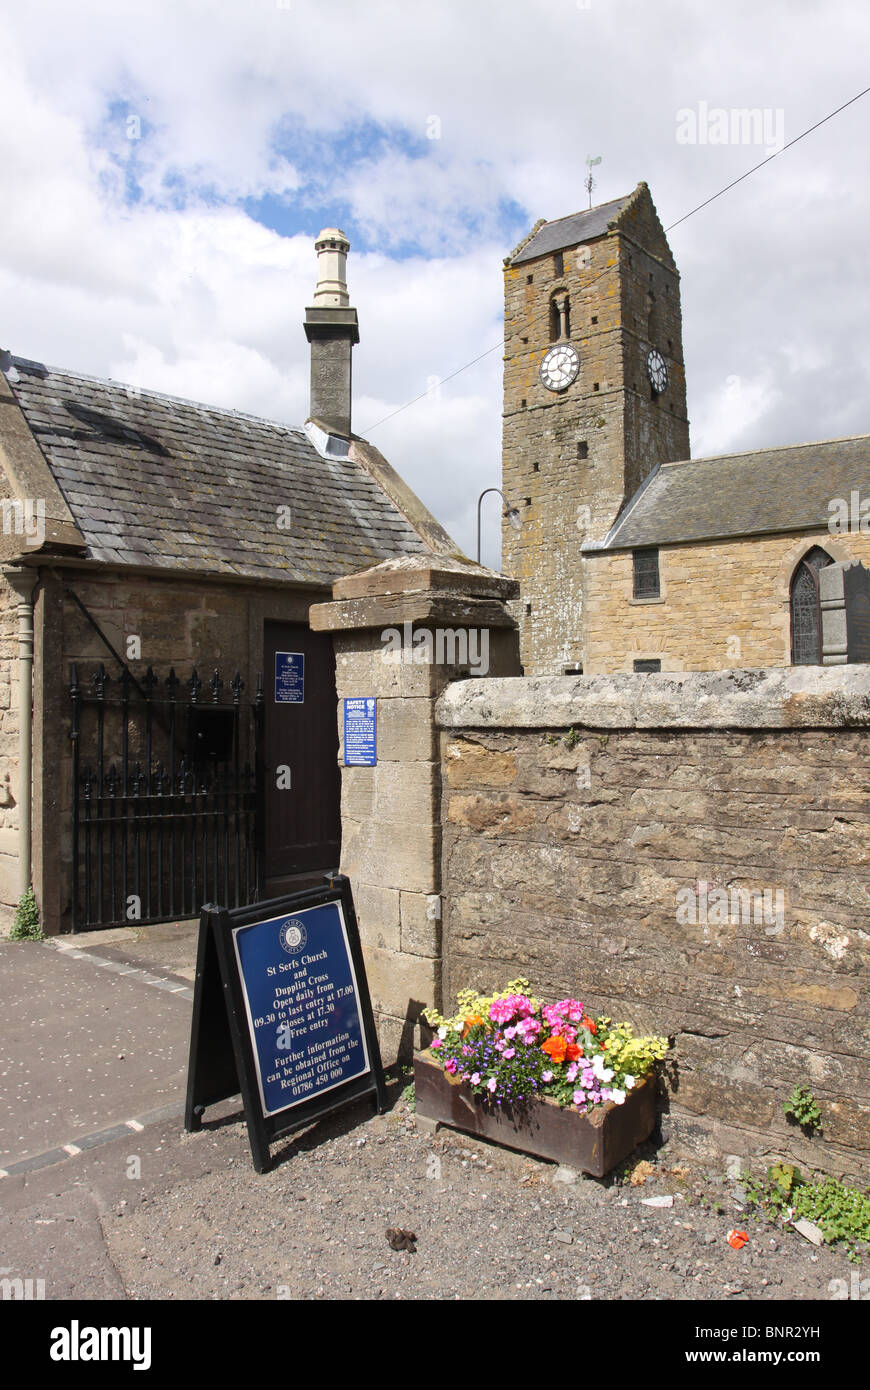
754, 494
569, 231
152, 480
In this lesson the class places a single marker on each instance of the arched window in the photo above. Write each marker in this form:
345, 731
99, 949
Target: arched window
806, 613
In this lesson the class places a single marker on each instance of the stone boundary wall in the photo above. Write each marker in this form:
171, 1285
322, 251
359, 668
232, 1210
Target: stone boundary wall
587, 826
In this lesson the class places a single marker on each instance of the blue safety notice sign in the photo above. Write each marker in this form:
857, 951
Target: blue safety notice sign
360, 732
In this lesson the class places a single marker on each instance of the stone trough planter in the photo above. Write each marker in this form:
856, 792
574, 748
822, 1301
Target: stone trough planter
594, 1143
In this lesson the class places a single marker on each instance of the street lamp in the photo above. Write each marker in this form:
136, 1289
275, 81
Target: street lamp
510, 512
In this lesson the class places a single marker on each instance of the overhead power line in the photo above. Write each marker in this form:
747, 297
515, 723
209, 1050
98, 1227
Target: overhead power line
755, 167
706, 203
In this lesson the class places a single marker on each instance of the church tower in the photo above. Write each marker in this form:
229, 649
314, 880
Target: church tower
594, 399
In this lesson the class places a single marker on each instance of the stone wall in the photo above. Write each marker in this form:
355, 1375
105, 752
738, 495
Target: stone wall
584, 820
390, 813
722, 604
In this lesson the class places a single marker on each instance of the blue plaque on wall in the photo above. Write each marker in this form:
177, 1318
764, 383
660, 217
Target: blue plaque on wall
289, 678
281, 1012
361, 732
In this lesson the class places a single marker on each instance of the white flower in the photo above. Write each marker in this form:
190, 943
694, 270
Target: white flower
629, 1082
617, 1097
442, 1031
601, 1071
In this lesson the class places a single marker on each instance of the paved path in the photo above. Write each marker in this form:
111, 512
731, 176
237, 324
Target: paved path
89, 1045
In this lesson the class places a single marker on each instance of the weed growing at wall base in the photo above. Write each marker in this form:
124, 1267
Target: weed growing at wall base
26, 925
841, 1213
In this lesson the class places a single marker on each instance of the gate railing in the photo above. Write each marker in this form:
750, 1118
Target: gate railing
167, 798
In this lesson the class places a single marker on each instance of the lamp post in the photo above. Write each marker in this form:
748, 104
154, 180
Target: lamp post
510, 512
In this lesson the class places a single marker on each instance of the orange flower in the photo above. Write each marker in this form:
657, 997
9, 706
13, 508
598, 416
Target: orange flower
737, 1239
573, 1052
556, 1048
593, 1027
472, 1021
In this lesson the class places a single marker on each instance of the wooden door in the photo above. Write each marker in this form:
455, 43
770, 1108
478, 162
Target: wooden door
302, 819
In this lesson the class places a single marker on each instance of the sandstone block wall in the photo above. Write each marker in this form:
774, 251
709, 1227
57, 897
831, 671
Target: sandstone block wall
574, 813
722, 604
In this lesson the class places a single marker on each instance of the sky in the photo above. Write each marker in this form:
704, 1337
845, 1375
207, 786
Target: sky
165, 166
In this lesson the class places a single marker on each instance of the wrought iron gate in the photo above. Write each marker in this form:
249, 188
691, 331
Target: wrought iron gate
167, 797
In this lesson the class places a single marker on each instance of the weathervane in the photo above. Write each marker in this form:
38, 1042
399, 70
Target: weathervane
589, 182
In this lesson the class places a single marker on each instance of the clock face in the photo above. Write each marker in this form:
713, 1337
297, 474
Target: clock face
658, 372
560, 367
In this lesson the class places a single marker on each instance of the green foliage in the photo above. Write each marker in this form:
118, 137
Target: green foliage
409, 1096
841, 1213
801, 1107
572, 738
26, 925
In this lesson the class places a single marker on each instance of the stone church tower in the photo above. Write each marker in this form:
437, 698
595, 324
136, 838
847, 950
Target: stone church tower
594, 399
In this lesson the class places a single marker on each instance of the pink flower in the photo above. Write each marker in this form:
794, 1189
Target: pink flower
435, 1044
509, 1052
572, 1071
546, 1076
475, 1079
579, 1097
491, 1084
450, 1065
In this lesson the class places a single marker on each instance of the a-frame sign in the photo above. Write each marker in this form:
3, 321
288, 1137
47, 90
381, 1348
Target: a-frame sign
282, 1015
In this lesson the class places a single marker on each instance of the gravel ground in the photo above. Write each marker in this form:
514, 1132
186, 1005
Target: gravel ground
490, 1224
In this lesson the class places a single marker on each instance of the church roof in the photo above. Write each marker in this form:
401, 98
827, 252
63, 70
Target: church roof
154, 481
752, 494
568, 231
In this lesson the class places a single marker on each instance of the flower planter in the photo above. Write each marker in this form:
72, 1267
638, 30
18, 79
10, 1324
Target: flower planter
594, 1142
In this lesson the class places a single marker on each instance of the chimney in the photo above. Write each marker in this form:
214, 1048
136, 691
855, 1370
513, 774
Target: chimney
331, 329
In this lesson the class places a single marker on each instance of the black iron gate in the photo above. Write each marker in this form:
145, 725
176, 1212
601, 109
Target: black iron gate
167, 797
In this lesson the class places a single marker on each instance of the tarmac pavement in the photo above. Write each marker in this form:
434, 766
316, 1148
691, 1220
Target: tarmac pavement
92, 1039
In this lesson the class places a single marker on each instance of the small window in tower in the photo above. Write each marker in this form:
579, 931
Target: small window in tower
554, 321
647, 664
524, 340
535, 467
582, 449
523, 403
567, 309
595, 386
558, 264
594, 318
646, 574
528, 609
529, 279
527, 501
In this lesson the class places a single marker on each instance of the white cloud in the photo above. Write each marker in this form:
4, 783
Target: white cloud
327, 110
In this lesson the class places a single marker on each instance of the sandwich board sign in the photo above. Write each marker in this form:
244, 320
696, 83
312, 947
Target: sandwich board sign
282, 1014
